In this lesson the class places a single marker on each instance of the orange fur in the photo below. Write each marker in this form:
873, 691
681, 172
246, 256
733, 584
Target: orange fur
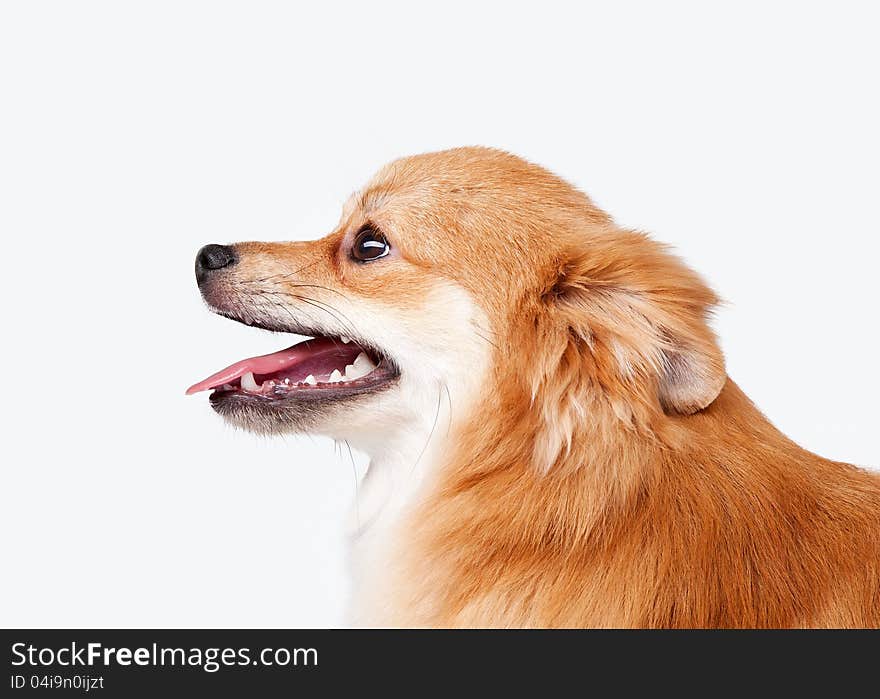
610, 474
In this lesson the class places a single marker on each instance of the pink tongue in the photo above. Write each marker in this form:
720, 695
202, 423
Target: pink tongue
265, 364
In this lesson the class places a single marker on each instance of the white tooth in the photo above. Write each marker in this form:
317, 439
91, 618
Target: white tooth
363, 364
311, 380
287, 381
248, 383
345, 340
353, 372
335, 377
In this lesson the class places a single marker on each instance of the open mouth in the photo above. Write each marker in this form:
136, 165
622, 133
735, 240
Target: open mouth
314, 369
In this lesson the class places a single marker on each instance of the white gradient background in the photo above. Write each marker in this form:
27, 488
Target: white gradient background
132, 134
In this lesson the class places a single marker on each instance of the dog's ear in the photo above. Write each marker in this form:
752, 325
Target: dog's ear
692, 375
641, 315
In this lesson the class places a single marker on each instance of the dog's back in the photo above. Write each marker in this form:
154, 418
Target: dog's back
735, 526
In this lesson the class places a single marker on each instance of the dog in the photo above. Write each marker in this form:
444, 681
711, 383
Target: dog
554, 440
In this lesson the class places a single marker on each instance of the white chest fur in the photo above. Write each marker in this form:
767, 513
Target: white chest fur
380, 528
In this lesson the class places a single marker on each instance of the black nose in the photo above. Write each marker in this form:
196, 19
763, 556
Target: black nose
213, 257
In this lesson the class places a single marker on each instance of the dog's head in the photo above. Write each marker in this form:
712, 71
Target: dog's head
470, 277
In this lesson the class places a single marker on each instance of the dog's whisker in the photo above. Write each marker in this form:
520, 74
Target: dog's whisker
483, 337
286, 275
337, 315
430, 434
248, 282
357, 503
327, 308
449, 398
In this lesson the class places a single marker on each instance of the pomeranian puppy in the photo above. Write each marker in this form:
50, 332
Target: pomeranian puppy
554, 440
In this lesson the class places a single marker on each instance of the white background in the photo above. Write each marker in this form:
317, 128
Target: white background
134, 133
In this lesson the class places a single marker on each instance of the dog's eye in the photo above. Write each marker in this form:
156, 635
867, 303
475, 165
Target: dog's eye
369, 245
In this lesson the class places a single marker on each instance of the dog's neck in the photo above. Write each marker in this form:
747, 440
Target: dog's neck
403, 467
403, 499
396, 474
